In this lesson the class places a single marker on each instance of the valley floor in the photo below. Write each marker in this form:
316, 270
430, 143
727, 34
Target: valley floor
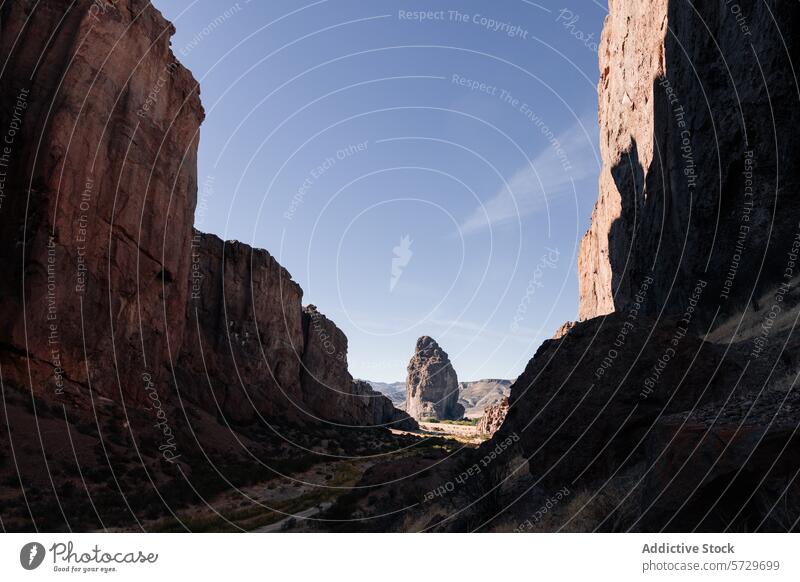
292, 503
463, 433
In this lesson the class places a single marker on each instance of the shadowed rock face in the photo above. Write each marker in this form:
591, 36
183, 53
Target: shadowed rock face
259, 354
244, 338
698, 119
329, 391
106, 284
380, 407
432, 384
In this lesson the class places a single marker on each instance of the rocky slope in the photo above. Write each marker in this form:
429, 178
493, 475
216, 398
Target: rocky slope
480, 395
183, 362
432, 384
395, 391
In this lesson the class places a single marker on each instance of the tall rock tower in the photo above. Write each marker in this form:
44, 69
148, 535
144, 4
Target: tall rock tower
432, 384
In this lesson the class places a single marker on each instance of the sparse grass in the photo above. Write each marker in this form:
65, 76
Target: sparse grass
463, 422
255, 515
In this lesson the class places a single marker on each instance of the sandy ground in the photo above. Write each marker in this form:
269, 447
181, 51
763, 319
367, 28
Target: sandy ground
462, 433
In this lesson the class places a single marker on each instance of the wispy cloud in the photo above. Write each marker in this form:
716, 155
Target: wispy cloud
568, 157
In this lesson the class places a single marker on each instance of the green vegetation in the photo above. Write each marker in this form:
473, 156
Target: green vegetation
463, 422
254, 515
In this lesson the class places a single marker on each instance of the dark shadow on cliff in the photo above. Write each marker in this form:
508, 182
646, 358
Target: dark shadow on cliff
717, 201
629, 177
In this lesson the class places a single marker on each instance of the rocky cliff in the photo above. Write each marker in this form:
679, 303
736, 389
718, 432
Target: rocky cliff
99, 190
432, 384
244, 342
698, 111
163, 355
107, 281
493, 417
329, 390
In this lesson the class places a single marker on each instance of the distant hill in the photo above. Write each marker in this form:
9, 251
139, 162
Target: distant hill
396, 391
474, 396
481, 394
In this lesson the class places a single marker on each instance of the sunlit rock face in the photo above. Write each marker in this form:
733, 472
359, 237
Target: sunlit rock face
432, 384
493, 418
99, 194
698, 115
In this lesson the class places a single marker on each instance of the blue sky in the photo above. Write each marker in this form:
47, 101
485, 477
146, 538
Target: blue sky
418, 174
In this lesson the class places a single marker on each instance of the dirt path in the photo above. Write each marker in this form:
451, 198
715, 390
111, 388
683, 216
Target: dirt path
290, 521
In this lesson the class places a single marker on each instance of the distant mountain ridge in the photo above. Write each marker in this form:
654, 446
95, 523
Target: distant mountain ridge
395, 391
475, 396
479, 395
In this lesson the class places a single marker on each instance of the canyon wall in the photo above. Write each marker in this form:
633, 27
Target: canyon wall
328, 388
99, 191
697, 108
107, 285
244, 337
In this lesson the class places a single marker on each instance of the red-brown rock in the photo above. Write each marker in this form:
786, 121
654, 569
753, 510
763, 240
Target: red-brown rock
698, 140
99, 194
432, 384
493, 418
